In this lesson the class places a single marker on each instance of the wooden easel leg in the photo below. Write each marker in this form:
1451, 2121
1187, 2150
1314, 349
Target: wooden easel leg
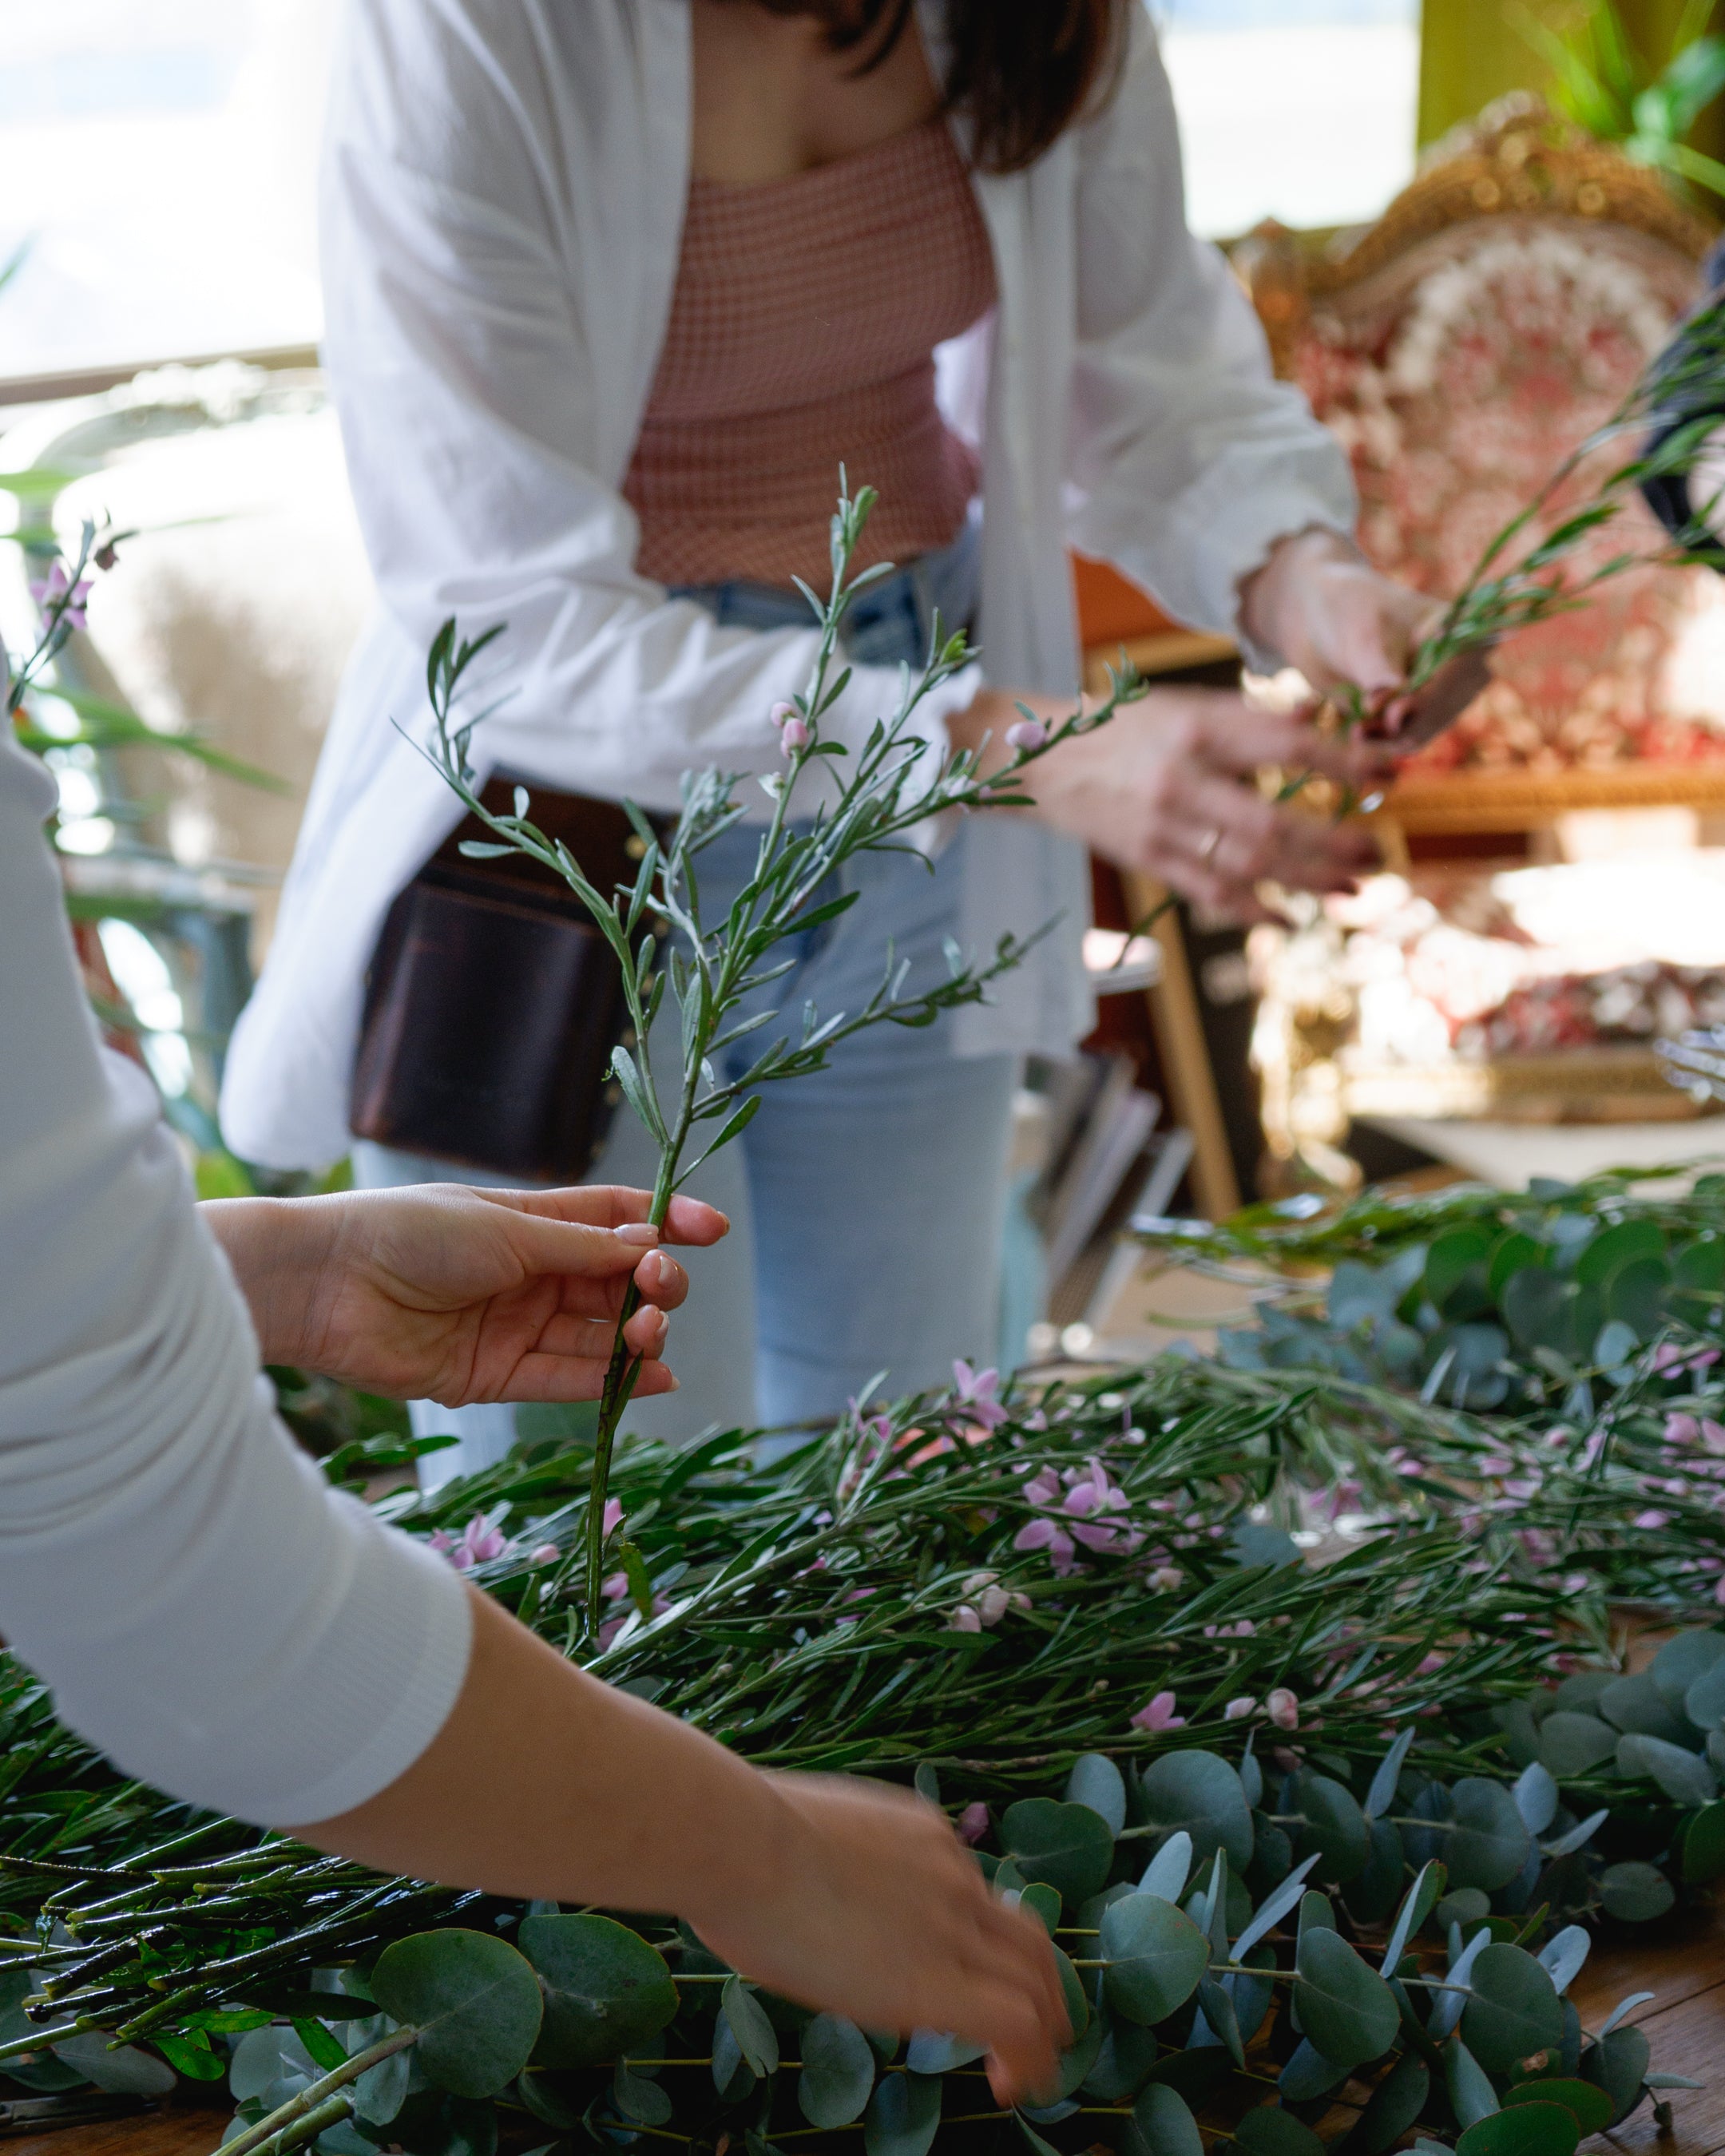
1185, 1056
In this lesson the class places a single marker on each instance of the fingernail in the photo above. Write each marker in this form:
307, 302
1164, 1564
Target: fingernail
639, 1233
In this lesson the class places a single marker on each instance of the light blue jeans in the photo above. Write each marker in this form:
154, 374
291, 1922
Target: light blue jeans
866, 1202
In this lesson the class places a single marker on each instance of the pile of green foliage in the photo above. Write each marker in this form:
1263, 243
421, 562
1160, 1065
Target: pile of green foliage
1314, 1761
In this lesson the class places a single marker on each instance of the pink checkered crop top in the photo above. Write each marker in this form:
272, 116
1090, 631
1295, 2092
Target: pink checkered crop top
802, 335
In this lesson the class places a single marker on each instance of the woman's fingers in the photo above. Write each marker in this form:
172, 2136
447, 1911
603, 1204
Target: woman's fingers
616, 1205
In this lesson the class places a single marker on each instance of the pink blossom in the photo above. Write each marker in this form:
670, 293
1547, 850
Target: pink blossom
1167, 1578
1044, 1489
964, 1618
614, 1516
1682, 1428
1652, 1518
1283, 1708
782, 714
1713, 1435
992, 1604
57, 591
1038, 1421
615, 1588
973, 1823
1237, 1710
1668, 1355
978, 1390
1105, 1536
1159, 1714
477, 1542
1575, 1582
1095, 1492
1043, 1534
546, 1553
793, 736
1430, 1666
1028, 735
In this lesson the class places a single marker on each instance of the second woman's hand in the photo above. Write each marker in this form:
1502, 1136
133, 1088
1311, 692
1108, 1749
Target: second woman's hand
1164, 790
445, 1292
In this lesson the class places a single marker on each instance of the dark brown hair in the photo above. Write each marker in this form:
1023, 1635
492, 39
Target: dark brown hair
1022, 70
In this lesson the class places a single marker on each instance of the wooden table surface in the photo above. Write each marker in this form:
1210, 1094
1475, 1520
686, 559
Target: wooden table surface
1685, 2022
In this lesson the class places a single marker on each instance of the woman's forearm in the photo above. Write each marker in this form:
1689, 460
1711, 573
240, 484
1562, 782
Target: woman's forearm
545, 1783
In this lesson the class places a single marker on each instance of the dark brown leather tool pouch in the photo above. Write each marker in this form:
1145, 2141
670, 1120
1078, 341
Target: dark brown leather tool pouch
493, 1004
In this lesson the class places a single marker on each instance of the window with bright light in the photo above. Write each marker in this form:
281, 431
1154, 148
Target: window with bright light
156, 166
1304, 110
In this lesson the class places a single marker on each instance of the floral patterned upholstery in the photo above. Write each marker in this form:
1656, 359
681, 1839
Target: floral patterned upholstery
1460, 349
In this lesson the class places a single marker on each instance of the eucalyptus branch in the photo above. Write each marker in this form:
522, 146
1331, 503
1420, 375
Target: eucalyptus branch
663, 943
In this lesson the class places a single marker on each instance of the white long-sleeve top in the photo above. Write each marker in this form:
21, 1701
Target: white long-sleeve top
503, 189
206, 1609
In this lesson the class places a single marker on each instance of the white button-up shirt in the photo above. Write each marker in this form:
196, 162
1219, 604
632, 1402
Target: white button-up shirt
503, 190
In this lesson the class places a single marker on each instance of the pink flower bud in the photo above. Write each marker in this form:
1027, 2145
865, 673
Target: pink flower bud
546, 1553
1028, 735
992, 1604
1284, 1708
1237, 1710
973, 1823
795, 735
1167, 1578
781, 712
964, 1618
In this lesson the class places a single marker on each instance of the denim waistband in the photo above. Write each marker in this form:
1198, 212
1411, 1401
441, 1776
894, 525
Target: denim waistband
889, 624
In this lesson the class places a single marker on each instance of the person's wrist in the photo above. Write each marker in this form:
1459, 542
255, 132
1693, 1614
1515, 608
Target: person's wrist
1273, 598
277, 1249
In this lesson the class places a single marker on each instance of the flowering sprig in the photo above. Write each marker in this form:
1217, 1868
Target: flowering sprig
711, 970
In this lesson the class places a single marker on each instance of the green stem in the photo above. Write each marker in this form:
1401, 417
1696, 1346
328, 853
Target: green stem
310, 2099
333, 2112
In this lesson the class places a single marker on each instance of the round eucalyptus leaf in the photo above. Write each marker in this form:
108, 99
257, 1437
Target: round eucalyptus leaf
1395, 2105
606, 1991
1095, 1781
1703, 1855
1335, 1829
1489, 1844
1509, 1254
1371, 1895
1591, 2106
1536, 1798
1572, 1745
256, 2062
1637, 1705
1345, 2009
1615, 1345
1683, 1658
1453, 1257
903, 2116
1164, 2122
1068, 1846
1124, 2059
1579, 1693
1704, 1702
1072, 1993
1468, 2085
36, 2070
1514, 2012
639, 2097
733, 2076
1156, 1957
1686, 1777
1534, 1305
1636, 1893
1200, 1794
1309, 2075
1078, 2061
752, 2025
1465, 1907
932, 2052
381, 2090
1527, 2129
1618, 2064
838, 2072
1043, 1903
1630, 1242
1268, 2130
128, 2072
474, 2000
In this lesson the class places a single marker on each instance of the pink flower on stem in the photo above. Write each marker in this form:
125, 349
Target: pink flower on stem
1237, 1710
1044, 1489
1028, 735
783, 713
1159, 1714
58, 593
1167, 1578
613, 1517
979, 1392
1045, 1535
964, 1618
973, 1823
1652, 1518
546, 1553
1283, 1708
1430, 1665
793, 736
477, 1542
